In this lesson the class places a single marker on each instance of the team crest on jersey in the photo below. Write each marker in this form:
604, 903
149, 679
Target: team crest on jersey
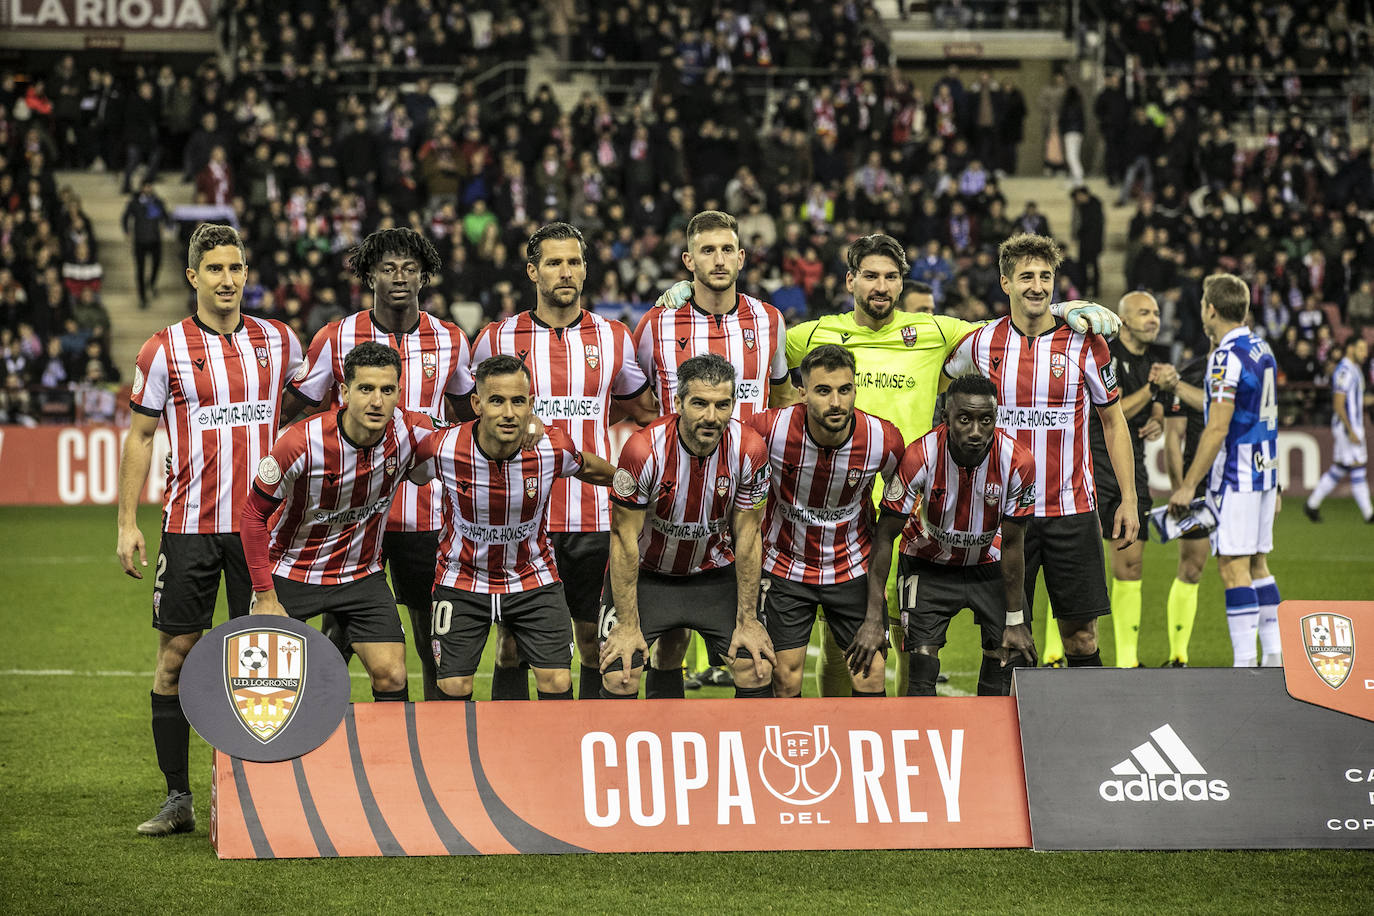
749, 338
593, 353
723, 485
531, 487
270, 471
895, 490
139, 380
909, 336
261, 354
1330, 643
1058, 363
302, 371
992, 492
390, 466
852, 478
264, 671
430, 363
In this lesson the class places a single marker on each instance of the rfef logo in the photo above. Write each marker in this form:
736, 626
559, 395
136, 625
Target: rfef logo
799, 767
264, 671
1330, 643
1162, 770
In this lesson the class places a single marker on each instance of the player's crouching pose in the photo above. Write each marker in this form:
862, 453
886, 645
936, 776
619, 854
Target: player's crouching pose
818, 528
956, 487
496, 563
330, 481
685, 542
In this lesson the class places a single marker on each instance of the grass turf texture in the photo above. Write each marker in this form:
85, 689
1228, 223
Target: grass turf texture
77, 774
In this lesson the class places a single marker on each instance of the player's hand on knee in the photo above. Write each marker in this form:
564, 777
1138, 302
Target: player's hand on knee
752, 637
129, 543
622, 643
868, 642
676, 295
1018, 639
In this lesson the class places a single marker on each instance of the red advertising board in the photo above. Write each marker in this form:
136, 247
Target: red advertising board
1328, 654
70, 465
639, 776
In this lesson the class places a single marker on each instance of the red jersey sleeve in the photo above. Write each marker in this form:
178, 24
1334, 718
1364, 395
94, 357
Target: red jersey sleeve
460, 382
314, 381
778, 372
637, 473
894, 447
277, 471
151, 378
1018, 495
1098, 371
904, 490
566, 455
754, 470
630, 379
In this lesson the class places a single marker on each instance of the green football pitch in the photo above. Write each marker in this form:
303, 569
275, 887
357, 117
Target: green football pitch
77, 773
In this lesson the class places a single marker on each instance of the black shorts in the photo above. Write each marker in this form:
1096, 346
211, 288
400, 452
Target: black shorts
707, 602
941, 592
365, 606
411, 557
1108, 499
186, 582
788, 610
581, 558
538, 619
1069, 547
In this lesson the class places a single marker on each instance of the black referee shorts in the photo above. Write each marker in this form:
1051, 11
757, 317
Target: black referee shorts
1109, 500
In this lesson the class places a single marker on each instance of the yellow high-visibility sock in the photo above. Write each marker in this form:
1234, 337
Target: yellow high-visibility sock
1181, 609
1126, 621
1054, 646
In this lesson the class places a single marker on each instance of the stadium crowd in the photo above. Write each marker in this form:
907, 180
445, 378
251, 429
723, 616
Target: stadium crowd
328, 126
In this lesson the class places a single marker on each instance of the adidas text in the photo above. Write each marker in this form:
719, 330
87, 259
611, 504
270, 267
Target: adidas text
1169, 788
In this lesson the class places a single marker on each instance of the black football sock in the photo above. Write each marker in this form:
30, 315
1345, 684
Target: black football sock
172, 738
391, 696
922, 674
510, 683
865, 693
1084, 661
665, 684
752, 693
565, 695
589, 683
465, 698
992, 681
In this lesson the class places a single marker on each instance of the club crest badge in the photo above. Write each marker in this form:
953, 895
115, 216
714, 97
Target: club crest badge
302, 371
593, 354
264, 672
1330, 643
992, 493
909, 336
853, 477
624, 484
139, 380
261, 354
390, 466
1058, 363
895, 490
429, 361
722, 485
531, 487
749, 339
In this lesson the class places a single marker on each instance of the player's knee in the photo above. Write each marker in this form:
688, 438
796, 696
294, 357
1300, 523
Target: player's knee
620, 683
1128, 569
1080, 641
389, 677
670, 649
552, 680
746, 675
787, 680
456, 686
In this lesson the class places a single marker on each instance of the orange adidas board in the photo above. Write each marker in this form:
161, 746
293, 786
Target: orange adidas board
1328, 654
666, 775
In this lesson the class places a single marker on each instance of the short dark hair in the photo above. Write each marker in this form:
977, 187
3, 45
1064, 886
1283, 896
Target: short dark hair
208, 236
971, 384
370, 355
534, 248
406, 242
917, 286
1027, 245
829, 357
1228, 294
709, 369
707, 220
501, 364
880, 244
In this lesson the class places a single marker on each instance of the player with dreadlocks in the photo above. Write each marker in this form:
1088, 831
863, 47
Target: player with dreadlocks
396, 264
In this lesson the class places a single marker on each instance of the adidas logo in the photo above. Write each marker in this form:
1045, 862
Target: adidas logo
1162, 770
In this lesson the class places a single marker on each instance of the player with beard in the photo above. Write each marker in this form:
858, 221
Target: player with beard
395, 264
714, 318
583, 368
957, 489
685, 542
1046, 376
825, 457
216, 377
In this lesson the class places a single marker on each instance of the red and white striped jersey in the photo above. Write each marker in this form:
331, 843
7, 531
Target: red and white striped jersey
752, 336
954, 514
690, 501
818, 527
576, 371
434, 362
334, 495
1044, 388
496, 520
220, 396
